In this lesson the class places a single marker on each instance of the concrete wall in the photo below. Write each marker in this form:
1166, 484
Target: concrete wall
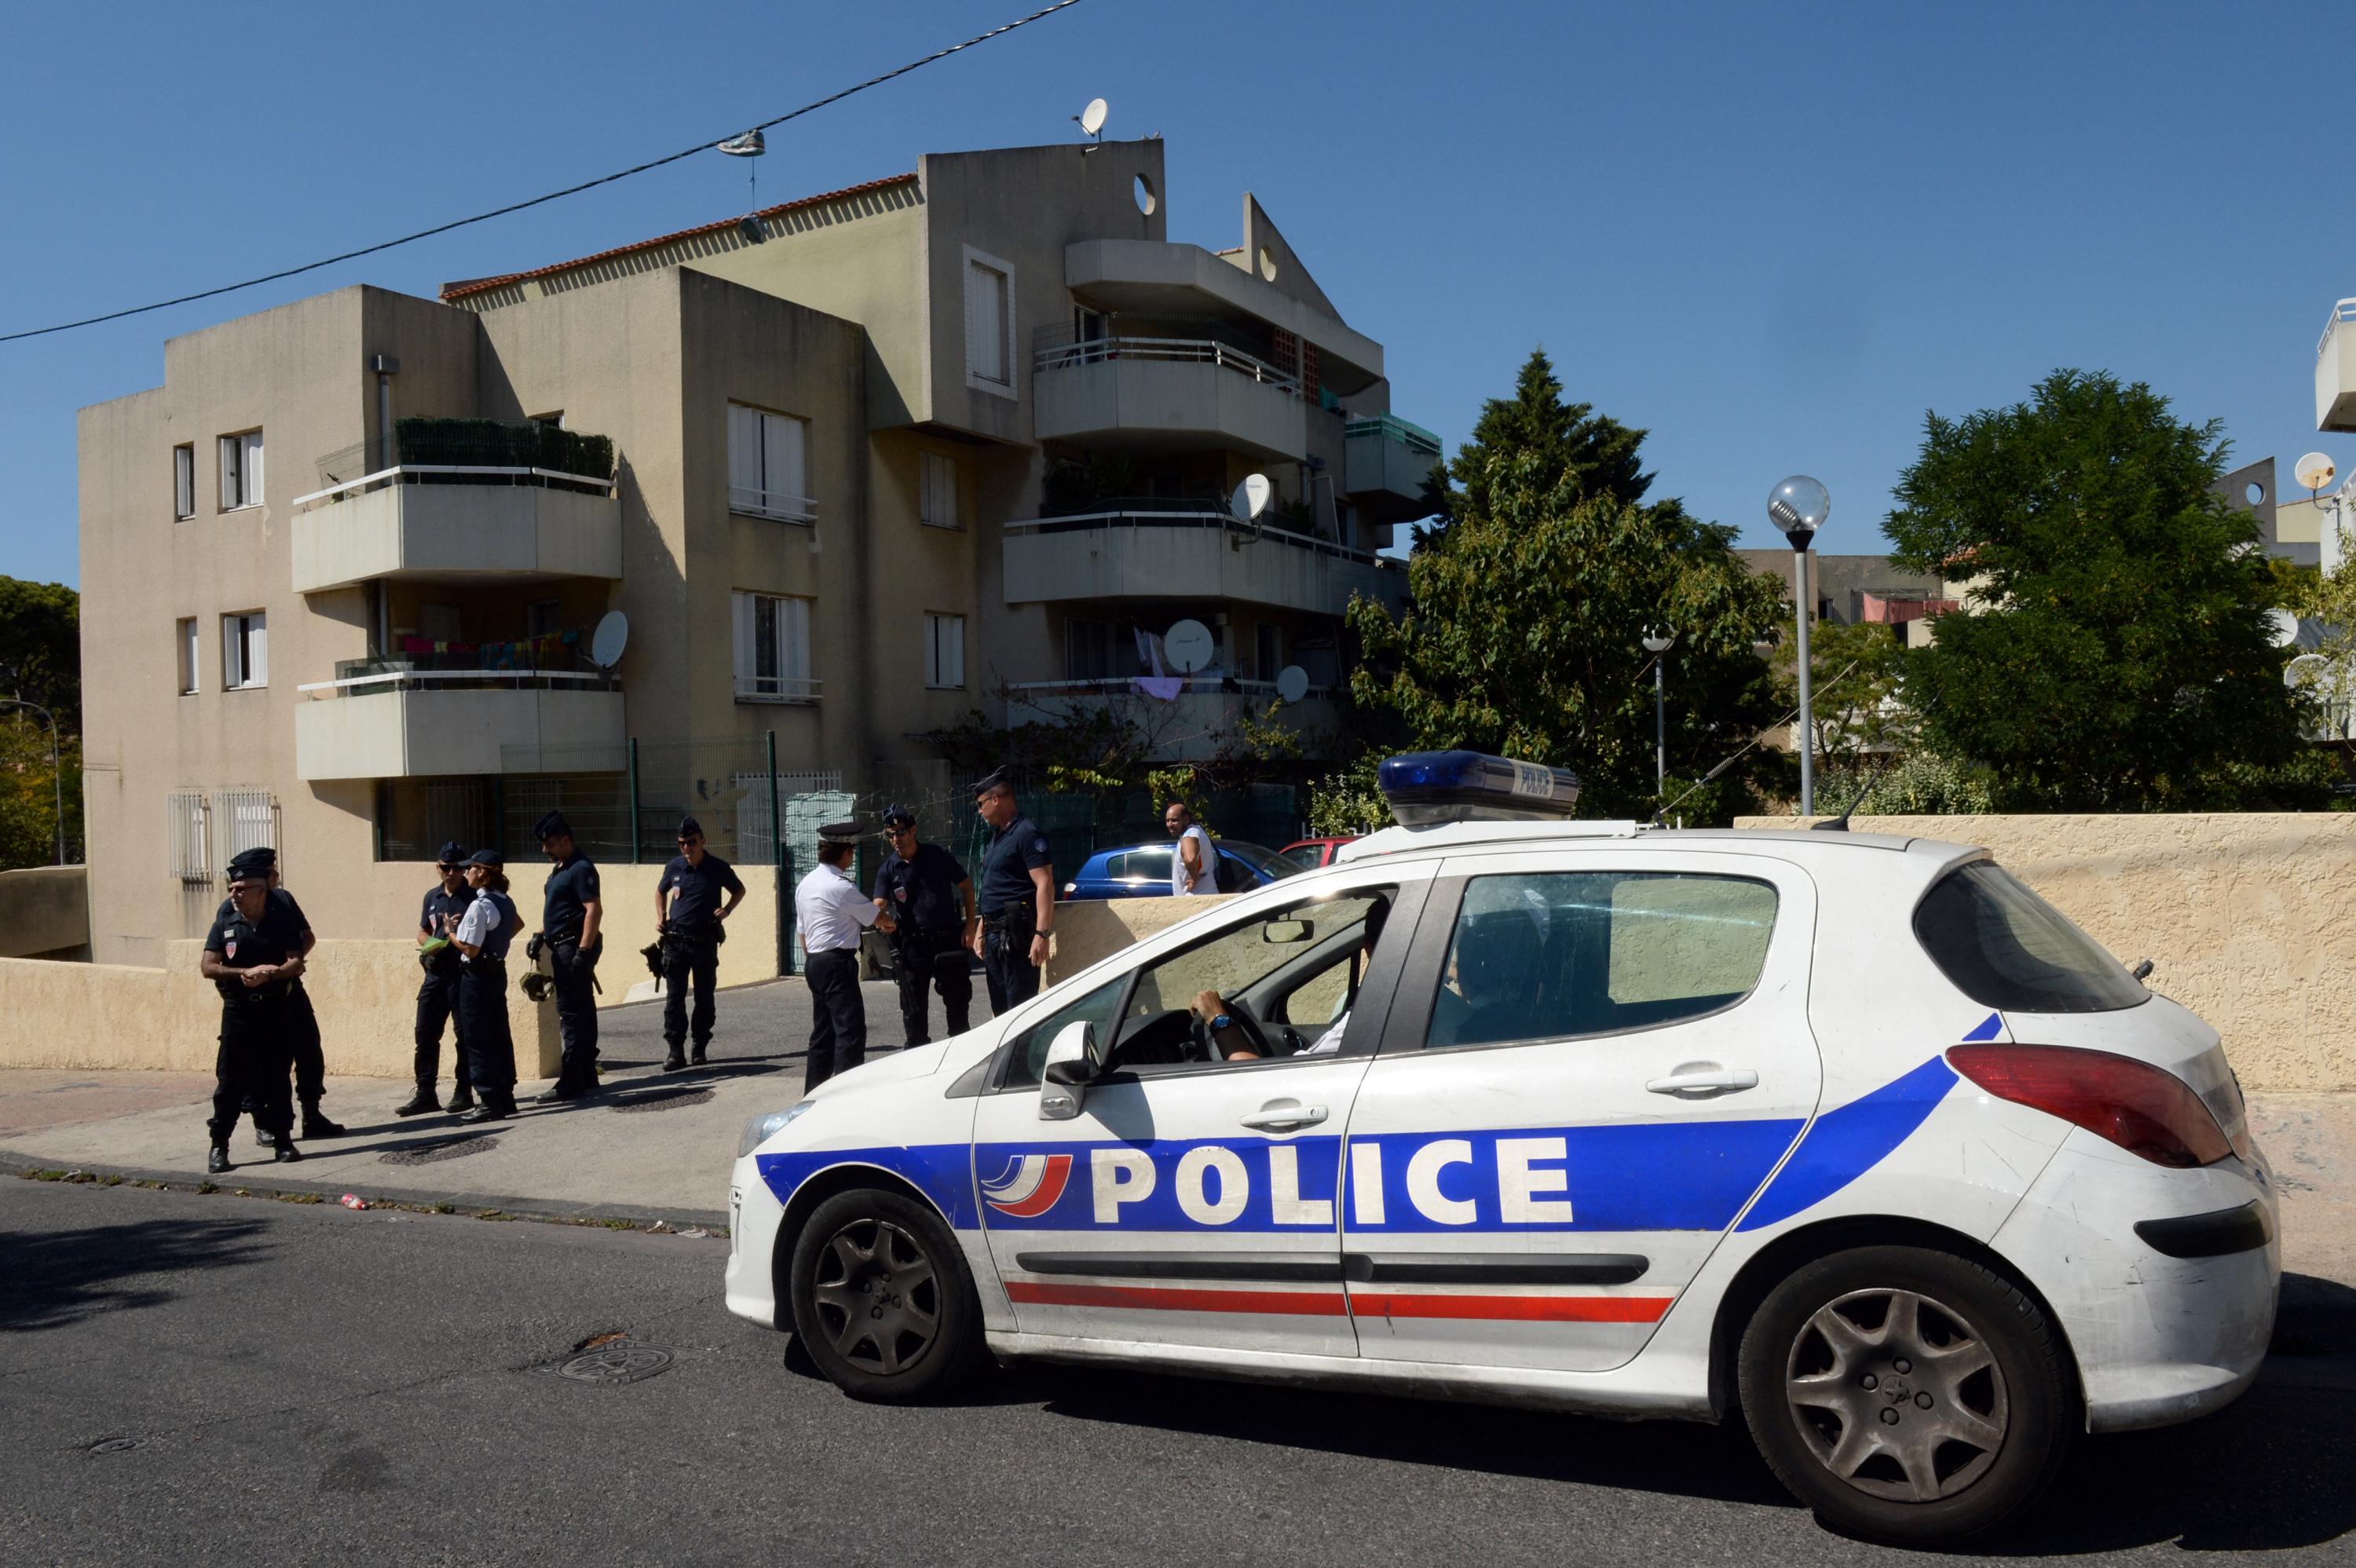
2248, 918
429, 530
387, 733
1089, 932
45, 910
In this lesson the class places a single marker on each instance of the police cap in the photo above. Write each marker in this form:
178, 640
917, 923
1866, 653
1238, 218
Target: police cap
553, 825
453, 854
491, 857
259, 862
839, 834
896, 815
1001, 778
688, 827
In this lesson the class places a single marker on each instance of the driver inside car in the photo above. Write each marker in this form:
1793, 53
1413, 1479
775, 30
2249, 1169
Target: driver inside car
1229, 1039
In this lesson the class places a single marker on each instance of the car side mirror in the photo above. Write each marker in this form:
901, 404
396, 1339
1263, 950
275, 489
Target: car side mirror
1284, 932
1065, 1077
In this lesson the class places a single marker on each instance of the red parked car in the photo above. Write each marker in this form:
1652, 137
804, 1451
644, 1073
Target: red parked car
1311, 853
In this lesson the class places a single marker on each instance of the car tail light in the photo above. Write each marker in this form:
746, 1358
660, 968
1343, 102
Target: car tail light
2135, 1105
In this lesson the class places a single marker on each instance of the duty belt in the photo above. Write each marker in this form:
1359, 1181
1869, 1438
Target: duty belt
1021, 914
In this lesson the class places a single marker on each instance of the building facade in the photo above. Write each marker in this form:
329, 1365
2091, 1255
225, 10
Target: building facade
957, 441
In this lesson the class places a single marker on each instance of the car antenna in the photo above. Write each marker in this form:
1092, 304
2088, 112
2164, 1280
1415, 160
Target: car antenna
1840, 823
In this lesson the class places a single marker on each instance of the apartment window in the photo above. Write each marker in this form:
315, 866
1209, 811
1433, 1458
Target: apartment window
773, 649
542, 616
945, 650
240, 471
1088, 650
184, 481
245, 650
989, 324
187, 835
1268, 642
185, 638
936, 500
556, 419
767, 476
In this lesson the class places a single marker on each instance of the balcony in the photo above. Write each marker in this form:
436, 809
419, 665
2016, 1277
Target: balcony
444, 521
2335, 371
1189, 727
412, 719
1146, 394
1146, 554
1386, 463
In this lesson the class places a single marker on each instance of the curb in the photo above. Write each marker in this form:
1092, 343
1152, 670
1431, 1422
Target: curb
463, 1202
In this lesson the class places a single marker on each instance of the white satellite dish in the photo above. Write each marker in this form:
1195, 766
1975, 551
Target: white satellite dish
1292, 683
606, 642
1250, 499
2315, 470
2285, 627
1189, 647
1092, 118
2304, 670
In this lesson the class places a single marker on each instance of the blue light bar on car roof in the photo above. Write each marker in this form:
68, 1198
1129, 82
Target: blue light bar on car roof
1466, 786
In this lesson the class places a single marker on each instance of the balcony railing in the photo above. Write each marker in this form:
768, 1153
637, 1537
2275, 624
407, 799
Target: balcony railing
2341, 310
451, 473
1390, 427
544, 664
1139, 518
1067, 353
1178, 685
785, 689
774, 504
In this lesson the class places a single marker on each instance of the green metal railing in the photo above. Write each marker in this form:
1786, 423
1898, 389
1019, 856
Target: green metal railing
1390, 427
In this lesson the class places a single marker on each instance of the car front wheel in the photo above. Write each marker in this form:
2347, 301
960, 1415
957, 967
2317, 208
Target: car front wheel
1908, 1394
882, 1298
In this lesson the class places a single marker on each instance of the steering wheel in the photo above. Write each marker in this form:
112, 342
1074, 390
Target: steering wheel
1241, 1016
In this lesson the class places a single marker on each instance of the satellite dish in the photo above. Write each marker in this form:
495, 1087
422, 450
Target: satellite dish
1250, 499
2315, 470
612, 635
1189, 647
1092, 118
2304, 670
2285, 627
1292, 683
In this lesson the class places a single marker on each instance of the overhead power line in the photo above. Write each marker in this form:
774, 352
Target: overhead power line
998, 32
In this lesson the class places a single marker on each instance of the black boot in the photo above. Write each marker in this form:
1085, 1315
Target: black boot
287, 1153
695, 1057
677, 1059
315, 1124
487, 1111
266, 1138
216, 1163
419, 1103
461, 1098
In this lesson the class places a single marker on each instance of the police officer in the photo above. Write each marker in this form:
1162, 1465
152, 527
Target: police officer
437, 998
688, 916
571, 914
310, 1063
931, 899
1018, 896
832, 912
481, 938
254, 956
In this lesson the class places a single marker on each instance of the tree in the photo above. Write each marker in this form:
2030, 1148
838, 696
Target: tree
1594, 452
40, 647
28, 799
1522, 636
1857, 699
2119, 657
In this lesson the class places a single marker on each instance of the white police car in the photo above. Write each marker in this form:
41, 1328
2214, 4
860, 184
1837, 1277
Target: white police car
1854, 1135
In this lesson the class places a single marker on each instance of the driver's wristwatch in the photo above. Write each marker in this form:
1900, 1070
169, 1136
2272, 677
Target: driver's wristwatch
1222, 1022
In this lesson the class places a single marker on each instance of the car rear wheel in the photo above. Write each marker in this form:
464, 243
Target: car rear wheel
1908, 1394
882, 1300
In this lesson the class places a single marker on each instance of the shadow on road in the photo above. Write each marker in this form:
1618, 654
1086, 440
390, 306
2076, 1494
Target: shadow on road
60, 1277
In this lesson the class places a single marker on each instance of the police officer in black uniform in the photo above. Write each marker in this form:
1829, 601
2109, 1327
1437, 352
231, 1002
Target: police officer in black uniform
570, 913
931, 898
254, 956
310, 1063
1018, 896
481, 937
437, 998
688, 916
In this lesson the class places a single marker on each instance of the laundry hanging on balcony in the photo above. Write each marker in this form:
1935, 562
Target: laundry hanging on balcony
1160, 686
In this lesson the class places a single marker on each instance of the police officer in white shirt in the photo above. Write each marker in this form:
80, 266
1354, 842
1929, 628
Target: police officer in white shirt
1193, 869
832, 912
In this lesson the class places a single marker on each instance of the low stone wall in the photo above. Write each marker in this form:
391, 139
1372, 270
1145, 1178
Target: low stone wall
113, 1016
2249, 919
1098, 928
749, 954
45, 910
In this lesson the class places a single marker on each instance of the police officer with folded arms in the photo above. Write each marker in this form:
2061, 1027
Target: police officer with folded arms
437, 998
931, 899
1018, 896
254, 956
688, 916
484, 932
570, 913
832, 912
310, 1062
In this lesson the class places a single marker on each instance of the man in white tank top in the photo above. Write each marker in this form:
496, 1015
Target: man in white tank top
1193, 864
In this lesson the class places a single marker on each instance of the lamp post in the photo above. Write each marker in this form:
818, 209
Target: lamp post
1656, 642
1798, 506
57, 768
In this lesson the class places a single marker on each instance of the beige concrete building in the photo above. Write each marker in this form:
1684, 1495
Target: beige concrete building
946, 442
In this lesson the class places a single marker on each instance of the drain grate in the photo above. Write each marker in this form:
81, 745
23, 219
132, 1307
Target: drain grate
617, 1361
437, 1149
114, 1445
670, 1102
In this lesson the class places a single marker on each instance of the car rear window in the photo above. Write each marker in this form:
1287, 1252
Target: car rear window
2006, 948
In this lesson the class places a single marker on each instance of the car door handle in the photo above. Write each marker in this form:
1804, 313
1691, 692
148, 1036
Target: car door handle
1285, 1113
1701, 1079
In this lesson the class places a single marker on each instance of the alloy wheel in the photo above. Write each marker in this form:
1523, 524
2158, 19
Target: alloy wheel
877, 1295
1896, 1394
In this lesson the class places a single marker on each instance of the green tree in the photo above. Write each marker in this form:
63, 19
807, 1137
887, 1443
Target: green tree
1527, 612
1595, 452
28, 800
1857, 698
2118, 659
40, 647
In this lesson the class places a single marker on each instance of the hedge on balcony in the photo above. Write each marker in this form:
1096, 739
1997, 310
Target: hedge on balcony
487, 443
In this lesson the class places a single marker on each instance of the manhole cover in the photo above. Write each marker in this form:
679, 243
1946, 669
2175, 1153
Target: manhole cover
617, 1361
439, 1149
115, 1446
664, 1102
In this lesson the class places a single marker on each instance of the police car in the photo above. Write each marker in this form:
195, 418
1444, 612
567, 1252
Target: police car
1853, 1136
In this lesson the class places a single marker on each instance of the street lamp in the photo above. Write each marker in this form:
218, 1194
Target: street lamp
56, 769
1656, 642
1798, 506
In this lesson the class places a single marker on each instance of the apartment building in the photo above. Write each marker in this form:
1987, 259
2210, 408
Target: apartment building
955, 439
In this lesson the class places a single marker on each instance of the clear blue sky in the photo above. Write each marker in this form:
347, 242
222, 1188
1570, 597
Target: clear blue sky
1774, 235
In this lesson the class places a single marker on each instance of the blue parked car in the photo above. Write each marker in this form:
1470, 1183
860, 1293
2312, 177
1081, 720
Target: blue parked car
1142, 870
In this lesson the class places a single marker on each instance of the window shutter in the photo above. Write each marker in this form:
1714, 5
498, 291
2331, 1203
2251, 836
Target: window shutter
228, 472
782, 440
973, 308
985, 318
184, 481
793, 640
231, 654
250, 471
745, 484
739, 607
257, 643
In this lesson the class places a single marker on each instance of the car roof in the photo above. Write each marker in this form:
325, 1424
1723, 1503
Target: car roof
1799, 843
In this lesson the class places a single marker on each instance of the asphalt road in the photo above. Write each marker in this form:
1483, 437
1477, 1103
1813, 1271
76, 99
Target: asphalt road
215, 1379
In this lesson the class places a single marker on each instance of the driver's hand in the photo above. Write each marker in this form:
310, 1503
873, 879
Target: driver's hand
1208, 1005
